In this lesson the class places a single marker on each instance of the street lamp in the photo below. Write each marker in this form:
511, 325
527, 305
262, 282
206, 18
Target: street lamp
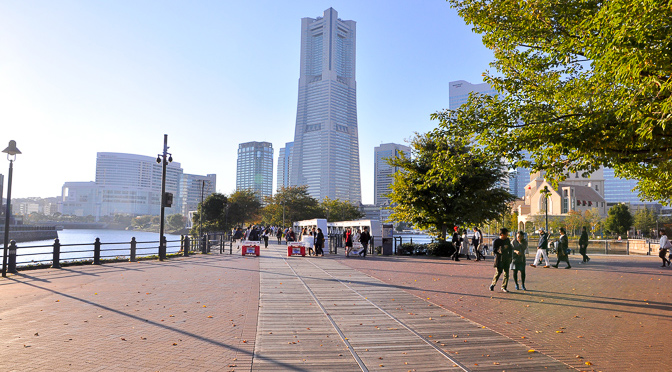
166, 201
200, 215
11, 152
546, 191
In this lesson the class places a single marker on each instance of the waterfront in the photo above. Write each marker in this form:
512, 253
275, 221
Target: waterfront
78, 245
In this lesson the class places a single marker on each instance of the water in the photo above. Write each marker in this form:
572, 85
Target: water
417, 238
78, 245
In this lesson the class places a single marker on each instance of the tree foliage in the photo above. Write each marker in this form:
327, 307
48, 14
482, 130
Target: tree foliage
584, 84
213, 211
176, 222
244, 208
339, 210
619, 219
296, 203
645, 221
444, 183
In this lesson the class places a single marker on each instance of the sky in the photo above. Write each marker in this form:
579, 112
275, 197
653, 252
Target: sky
81, 77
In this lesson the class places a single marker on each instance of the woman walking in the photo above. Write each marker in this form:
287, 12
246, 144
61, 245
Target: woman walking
319, 243
348, 242
519, 249
563, 247
583, 245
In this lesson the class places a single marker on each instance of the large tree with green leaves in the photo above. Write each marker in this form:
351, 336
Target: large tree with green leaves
339, 210
213, 213
444, 183
645, 220
290, 204
619, 220
244, 208
584, 84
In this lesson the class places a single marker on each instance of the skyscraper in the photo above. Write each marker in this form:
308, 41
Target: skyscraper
326, 144
383, 171
255, 168
193, 188
284, 165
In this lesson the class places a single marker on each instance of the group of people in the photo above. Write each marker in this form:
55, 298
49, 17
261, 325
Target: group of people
461, 244
364, 237
511, 255
259, 233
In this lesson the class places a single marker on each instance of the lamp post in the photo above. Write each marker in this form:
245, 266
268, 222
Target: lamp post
163, 159
200, 215
11, 152
545, 191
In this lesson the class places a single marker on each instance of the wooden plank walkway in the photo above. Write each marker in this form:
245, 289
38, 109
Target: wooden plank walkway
318, 315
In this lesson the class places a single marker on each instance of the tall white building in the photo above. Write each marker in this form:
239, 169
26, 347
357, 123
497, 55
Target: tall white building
326, 144
284, 165
255, 168
383, 171
127, 184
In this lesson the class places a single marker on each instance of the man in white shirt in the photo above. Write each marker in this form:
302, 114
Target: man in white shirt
665, 246
541, 249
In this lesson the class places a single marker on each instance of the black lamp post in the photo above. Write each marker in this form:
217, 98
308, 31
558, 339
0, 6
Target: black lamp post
164, 159
11, 152
545, 191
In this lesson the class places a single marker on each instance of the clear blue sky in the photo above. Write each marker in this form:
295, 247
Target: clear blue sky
80, 77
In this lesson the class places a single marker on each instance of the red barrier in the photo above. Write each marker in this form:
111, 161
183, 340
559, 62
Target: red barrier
250, 249
296, 250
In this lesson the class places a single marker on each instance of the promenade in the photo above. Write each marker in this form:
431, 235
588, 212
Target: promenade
233, 313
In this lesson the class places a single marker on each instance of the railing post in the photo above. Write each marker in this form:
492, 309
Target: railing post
134, 247
606, 246
221, 244
56, 261
11, 262
186, 246
96, 252
231, 245
627, 247
181, 243
648, 253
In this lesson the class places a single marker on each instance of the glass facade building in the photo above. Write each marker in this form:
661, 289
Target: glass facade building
284, 165
326, 145
383, 171
193, 188
255, 168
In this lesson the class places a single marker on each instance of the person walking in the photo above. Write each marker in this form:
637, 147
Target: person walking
456, 245
563, 249
477, 241
519, 249
348, 242
465, 244
319, 243
583, 245
364, 238
278, 234
502, 249
665, 246
265, 235
542, 246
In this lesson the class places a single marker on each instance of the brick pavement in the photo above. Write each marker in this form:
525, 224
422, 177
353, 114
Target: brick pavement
614, 313
188, 313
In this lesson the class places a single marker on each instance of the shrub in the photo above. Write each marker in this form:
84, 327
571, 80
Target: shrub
440, 248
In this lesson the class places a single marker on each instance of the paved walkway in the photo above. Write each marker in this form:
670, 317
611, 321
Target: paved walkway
233, 313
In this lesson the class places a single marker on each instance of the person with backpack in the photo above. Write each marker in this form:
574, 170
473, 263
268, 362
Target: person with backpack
319, 243
542, 246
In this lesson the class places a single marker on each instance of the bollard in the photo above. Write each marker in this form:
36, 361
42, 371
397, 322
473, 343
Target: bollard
134, 246
221, 244
204, 243
96, 252
231, 246
627, 247
56, 261
186, 246
11, 262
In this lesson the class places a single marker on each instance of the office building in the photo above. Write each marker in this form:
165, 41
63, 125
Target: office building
458, 92
619, 190
284, 165
383, 172
255, 168
127, 184
193, 189
326, 143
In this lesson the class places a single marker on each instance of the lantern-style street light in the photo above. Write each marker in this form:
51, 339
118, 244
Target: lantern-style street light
11, 152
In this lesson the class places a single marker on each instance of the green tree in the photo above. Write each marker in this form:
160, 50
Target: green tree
141, 221
645, 221
339, 210
244, 208
574, 222
213, 210
445, 183
294, 203
619, 220
176, 222
584, 84
594, 220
